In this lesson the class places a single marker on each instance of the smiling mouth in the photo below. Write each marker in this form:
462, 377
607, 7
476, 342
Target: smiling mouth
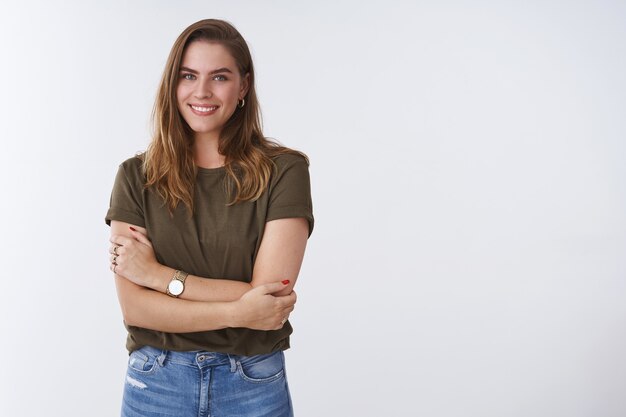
203, 109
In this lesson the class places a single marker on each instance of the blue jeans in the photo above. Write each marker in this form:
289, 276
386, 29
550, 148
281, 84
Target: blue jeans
179, 384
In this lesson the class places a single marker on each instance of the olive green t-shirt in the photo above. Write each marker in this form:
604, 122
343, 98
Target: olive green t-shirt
216, 241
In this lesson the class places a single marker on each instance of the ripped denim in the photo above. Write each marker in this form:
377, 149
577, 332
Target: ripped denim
168, 383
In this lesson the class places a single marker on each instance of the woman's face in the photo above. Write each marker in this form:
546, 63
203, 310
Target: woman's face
209, 88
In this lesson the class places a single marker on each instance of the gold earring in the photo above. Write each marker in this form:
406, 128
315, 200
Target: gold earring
243, 103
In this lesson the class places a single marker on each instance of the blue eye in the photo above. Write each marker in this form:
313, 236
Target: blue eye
219, 78
188, 76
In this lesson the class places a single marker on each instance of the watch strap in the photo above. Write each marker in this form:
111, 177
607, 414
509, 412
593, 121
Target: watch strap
178, 276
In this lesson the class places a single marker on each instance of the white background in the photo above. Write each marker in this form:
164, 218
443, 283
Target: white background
469, 184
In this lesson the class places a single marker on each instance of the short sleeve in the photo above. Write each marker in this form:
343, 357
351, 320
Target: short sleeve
126, 202
290, 190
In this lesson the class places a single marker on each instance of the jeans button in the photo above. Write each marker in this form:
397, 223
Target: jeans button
201, 358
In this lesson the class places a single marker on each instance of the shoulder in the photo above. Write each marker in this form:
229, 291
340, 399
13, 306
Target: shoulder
133, 163
133, 168
130, 175
126, 202
290, 189
290, 170
287, 160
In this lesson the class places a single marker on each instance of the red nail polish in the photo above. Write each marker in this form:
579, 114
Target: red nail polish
132, 228
285, 282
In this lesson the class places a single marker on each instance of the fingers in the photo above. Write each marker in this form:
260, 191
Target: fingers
113, 258
285, 316
285, 311
120, 240
280, 321
141, 237
287, 300
116, 250
273, 287
267, 311
288, 310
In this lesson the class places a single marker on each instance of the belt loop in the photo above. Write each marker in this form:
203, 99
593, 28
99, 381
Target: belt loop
233, 363
162, 356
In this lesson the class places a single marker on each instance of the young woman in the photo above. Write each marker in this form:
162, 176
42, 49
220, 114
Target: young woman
208, 232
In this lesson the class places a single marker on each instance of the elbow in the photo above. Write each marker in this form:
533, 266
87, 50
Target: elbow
128, 315
126, 295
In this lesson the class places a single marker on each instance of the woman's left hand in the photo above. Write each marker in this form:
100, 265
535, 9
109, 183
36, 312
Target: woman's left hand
133, 258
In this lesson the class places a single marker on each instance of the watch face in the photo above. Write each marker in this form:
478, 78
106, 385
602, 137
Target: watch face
176, 287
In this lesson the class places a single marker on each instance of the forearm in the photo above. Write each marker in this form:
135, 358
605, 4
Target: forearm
279, 259
144, 307
138, 264
199, 288
150, 309
258, 309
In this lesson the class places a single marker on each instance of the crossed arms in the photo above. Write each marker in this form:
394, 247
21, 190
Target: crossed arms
209, 304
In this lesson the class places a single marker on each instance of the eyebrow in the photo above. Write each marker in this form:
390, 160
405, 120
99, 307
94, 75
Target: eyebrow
223, 69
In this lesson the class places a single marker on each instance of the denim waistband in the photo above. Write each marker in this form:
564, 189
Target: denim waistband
196, 357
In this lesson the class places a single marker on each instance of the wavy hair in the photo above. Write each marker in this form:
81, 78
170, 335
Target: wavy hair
168, 163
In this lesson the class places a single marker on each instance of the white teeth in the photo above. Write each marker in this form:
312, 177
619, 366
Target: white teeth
204, 109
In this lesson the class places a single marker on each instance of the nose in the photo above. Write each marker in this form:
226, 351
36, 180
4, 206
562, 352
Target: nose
203, 88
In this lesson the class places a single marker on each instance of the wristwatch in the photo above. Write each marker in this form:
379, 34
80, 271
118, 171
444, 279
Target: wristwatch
177, 284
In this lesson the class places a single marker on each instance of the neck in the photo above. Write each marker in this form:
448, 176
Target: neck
206, 154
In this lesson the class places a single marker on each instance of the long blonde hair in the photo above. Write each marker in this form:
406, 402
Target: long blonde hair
168, 162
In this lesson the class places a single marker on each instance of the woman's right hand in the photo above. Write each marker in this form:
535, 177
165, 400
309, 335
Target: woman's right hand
260, 310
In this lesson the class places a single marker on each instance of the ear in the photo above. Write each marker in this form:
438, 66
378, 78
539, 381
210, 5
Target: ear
245, 85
